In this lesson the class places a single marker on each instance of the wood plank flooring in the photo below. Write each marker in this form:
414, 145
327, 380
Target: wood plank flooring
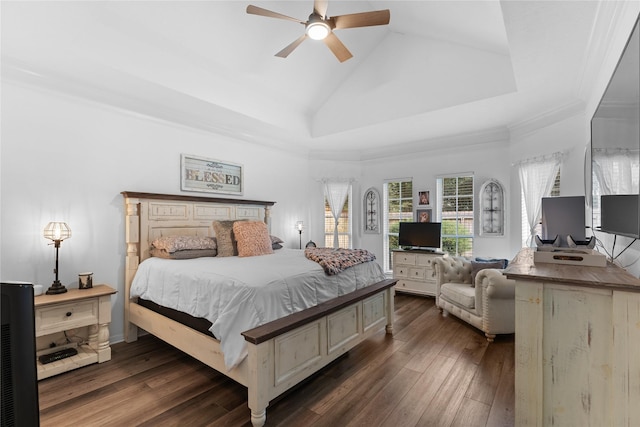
434, 371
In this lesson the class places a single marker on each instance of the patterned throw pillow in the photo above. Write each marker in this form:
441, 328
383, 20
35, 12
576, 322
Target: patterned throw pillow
173, 244
253, 238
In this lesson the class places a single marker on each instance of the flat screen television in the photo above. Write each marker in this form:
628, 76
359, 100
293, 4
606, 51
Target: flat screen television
420, 235
615, 147
619, 215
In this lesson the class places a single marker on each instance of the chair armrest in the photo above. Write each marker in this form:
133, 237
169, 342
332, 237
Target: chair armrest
439, 266
495, 284
498, 301
451, 269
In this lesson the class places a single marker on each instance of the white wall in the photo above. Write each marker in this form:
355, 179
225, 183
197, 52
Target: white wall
66, 159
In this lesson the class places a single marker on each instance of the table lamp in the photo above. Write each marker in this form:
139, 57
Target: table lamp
57, 231
299, 227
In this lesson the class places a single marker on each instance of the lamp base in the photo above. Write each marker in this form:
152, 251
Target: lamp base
56, 288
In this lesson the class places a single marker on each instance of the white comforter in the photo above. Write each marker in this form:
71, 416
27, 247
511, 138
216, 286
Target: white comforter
236, 294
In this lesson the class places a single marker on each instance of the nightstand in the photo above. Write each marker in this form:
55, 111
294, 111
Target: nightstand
76, 309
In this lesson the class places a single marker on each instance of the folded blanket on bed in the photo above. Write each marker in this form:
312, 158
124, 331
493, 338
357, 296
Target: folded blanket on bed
334, 261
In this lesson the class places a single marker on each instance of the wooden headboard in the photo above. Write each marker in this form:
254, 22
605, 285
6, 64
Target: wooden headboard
149, 216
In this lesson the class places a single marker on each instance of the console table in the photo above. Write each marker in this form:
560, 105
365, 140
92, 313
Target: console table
577, 344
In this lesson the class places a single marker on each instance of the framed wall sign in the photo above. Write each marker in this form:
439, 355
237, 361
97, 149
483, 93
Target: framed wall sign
210, 175
371, 211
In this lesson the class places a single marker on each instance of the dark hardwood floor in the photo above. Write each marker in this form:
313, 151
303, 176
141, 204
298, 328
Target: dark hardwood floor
434, 371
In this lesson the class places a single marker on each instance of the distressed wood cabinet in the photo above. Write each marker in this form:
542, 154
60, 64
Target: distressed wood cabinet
577, 344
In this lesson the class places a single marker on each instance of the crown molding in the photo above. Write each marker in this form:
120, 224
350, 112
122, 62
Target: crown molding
441, 145
546, 118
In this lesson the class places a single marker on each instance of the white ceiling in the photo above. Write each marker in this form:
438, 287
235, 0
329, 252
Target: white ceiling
439, 69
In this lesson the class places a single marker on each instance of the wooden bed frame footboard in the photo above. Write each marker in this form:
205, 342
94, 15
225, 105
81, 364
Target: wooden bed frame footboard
319, 334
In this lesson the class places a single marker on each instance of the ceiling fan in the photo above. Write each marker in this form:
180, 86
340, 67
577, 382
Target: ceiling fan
320, 26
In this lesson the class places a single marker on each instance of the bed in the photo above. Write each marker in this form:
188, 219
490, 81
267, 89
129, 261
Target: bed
319, 334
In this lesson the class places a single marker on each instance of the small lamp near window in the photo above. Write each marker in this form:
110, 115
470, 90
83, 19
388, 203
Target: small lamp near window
57, 231
300, 227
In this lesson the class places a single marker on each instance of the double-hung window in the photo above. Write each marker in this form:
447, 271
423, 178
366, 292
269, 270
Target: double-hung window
539, 177
334, 207
398, 207
455, 200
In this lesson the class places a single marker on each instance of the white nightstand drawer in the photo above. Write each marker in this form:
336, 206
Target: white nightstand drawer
401, 271
425, 260
417, 287
402, 258
416, 273
63, 317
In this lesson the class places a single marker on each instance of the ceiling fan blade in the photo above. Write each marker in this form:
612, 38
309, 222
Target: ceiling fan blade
339, 50
320, 7
287, 50
255, 10
364, 19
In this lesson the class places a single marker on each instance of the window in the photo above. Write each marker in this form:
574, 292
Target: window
344, 223
455, 196
555, 191
539, 177
398, 207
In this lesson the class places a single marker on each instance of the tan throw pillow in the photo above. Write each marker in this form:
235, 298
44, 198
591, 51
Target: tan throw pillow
225, 238
252, 237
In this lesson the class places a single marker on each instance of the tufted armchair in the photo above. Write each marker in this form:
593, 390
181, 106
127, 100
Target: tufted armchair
488, 304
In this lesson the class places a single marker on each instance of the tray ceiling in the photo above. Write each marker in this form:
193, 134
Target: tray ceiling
439, 69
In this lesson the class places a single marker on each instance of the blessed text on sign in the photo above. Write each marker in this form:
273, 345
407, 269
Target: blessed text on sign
214, 176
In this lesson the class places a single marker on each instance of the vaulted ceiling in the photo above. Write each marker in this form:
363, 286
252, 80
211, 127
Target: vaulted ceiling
439, 69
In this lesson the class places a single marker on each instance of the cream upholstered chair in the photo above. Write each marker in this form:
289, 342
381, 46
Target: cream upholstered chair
476, 293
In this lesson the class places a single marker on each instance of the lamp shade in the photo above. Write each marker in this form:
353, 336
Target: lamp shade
57, 231
300, 226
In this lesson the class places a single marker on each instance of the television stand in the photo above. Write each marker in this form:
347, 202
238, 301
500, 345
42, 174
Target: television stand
415, 271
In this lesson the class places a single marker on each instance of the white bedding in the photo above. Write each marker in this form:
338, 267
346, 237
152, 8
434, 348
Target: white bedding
236, 294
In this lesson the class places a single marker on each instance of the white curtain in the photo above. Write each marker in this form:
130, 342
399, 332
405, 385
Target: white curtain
536, 181
336, 193
616, 170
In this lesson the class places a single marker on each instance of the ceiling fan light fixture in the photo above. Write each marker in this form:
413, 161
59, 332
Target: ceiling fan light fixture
318, 30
